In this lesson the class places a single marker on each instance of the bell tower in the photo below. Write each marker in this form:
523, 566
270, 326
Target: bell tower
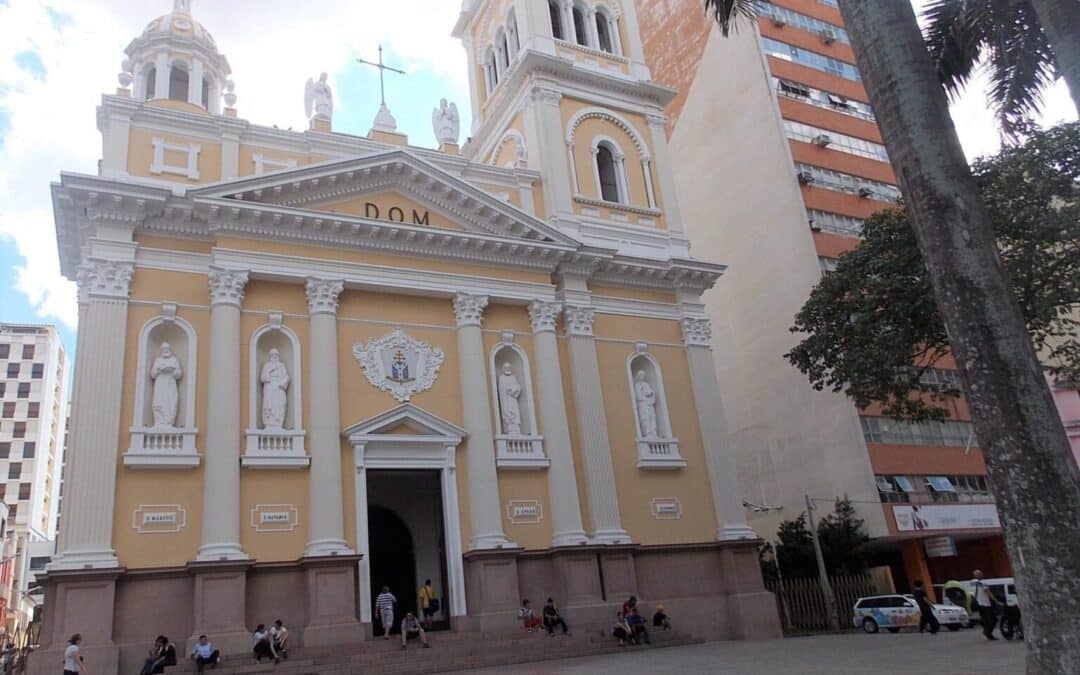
561, 87
176, 59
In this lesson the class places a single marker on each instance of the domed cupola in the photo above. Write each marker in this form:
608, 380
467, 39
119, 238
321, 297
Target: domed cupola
177, 59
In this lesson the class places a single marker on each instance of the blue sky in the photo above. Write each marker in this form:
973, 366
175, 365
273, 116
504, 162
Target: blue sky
58, 56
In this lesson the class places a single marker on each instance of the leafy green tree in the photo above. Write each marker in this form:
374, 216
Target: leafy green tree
867, 323
841, 534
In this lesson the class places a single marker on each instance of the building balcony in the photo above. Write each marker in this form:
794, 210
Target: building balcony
520, 452
275, 449
659, 453
162, 448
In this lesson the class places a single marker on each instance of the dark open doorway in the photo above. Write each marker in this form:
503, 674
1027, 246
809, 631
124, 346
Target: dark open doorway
406, 541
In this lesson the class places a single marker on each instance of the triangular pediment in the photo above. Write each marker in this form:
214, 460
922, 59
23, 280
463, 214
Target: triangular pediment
348, 186
406, 420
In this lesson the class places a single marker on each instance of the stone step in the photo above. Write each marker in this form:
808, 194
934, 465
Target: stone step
449, 652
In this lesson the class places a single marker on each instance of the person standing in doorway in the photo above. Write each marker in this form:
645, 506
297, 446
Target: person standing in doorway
428, 603
73, 660
986, 604
384, 604
926, 610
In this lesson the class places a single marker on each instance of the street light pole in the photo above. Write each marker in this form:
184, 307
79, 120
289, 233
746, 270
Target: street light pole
823, 575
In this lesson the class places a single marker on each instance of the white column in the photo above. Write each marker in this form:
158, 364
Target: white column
562, 482
484, 507
646, 168
633, 49
326, 526
455, 565
221, 473
94, 436
620, 176
161, 76
719, 459
573, 167
548, 148
195, 81
363, 546
567, 13
590, 28
616, 37
662, 159
605, 525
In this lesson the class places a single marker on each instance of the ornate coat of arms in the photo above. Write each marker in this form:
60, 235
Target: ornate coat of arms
399, 364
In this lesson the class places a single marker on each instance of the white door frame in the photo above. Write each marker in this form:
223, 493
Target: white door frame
432, 445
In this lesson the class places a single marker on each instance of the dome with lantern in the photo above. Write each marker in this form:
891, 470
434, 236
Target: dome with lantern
176, 59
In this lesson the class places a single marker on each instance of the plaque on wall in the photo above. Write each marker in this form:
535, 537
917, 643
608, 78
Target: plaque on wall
275, 517
524, 511
159, 518
666, 508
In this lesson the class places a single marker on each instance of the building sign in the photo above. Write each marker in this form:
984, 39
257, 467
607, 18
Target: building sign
159, 518
916, 518
275, 517
396, 214
666, 508
524, 511
940, 547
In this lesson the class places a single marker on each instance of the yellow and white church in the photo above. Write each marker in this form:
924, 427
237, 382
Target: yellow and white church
311, 364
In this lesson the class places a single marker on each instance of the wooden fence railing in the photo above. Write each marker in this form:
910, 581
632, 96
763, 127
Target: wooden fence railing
801, 604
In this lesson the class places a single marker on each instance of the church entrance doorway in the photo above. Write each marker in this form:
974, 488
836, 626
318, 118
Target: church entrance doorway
406, 540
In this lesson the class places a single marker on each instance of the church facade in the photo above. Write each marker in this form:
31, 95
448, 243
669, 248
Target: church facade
311, 364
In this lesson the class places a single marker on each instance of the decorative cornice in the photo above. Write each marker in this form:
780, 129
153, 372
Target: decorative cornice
546, 96
579, 320
697, 332
105, 279
657, 121
227, 286
469, 309
544, 315
323, 294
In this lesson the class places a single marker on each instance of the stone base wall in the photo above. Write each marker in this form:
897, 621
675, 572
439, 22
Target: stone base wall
711, 591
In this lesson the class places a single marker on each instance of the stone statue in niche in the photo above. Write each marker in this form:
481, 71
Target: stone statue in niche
645, 397
275, 388
509, 407
165, 372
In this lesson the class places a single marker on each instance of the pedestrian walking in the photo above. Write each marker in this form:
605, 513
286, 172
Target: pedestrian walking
986, 604
926, 610
384, 604
73, 660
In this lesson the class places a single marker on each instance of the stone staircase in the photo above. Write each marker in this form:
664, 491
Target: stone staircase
449, 652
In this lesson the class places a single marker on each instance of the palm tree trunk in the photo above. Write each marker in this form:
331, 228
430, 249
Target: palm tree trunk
1031, 468
1061, 21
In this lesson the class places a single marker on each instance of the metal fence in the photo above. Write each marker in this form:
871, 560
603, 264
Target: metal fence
801, 604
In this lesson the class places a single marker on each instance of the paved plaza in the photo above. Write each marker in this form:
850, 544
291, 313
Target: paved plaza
963, 653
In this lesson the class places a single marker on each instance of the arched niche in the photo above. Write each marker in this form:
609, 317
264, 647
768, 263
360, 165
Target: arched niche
271, 445
162, 442
657, 446
519, 446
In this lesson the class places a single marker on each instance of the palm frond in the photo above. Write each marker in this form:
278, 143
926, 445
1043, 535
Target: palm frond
955, 33
729, 13
1021, 65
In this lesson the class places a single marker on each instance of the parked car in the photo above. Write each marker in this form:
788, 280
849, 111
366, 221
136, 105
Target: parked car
893, 612
962, 594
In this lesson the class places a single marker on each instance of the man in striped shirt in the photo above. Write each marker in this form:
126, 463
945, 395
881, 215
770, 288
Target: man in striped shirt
384, 605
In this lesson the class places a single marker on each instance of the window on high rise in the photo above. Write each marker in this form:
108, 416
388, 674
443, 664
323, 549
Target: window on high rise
24, 390
28, 352
24, 491
19, 430
14, 470
5, 351
13, 512
805, 57
13, 370
33, 410
29, 449
37, 371
603, 33
9, 410
5, 450
581, 31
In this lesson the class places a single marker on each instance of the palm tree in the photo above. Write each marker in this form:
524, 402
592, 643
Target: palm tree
1028, 458
1023, 57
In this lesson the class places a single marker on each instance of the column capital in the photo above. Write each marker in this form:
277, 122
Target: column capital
657, 121
227, 286
323, 294
697, 332
547, 96
579, 320
105, 279
469, 309
544, 315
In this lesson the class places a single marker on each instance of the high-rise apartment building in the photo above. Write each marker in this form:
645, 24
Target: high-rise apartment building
778, 162
33, 396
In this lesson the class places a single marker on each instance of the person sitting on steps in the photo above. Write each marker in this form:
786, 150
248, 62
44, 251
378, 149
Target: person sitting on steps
637, 625
660, 619
279, 635
620, 631
204, 654
411, 629
262, 645
552, 618
529, 620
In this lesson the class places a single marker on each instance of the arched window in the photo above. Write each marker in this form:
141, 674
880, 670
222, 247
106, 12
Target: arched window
608, 172
581, 31
513, 41
178, 83
206, 93
149, 83
603, 33
501, 52
491, 70
508, 54
556, 19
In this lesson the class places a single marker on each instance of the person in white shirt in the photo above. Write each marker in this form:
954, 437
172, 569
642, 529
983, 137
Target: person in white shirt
986, 604
411, 629
203, 653
384, 605
279, 634
262, 645
73, 660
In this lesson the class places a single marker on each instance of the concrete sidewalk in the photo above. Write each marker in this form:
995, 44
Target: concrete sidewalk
963, 653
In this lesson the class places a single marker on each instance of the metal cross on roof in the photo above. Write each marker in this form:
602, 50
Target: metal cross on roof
382, 67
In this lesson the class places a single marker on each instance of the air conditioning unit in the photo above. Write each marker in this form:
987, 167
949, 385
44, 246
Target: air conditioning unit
778, 22
865, 192
805, 178
827, 36
822, 140
814, 227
